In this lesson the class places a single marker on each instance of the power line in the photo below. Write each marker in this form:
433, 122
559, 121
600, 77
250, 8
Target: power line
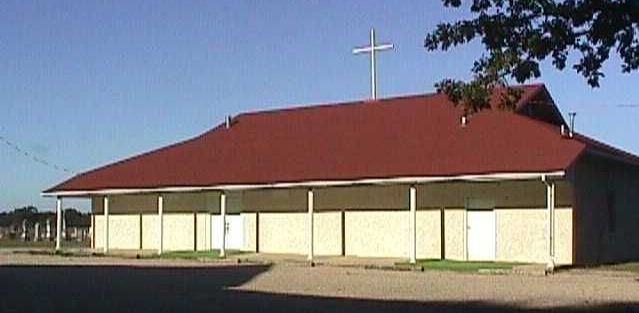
33, 157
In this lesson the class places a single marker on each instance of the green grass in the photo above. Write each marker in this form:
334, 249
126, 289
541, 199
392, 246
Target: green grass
10, 243
464, 266
196, 255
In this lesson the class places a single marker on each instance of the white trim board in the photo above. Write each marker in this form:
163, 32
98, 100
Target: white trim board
492, 177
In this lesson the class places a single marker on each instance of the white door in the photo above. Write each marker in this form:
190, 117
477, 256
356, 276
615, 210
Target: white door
481, 235
234, 232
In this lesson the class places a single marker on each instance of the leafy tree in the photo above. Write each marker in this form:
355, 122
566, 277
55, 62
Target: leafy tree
23, 213
518, 34
76, 218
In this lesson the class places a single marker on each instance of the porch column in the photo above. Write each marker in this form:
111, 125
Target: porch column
310, 205
58, 223
550, 204
161, 223
223, 222
92, 230
413, 225
106, 224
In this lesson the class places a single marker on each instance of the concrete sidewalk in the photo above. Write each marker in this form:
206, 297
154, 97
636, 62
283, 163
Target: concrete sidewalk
149, 257
342, 261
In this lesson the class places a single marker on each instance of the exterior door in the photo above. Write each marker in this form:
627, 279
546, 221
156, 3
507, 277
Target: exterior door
481, 235
234, 232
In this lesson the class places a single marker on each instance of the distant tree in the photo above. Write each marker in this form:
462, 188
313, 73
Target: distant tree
518, 34
5, 219
26, 210
23, 213
76, 218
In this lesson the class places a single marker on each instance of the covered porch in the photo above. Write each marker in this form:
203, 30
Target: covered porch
521, 217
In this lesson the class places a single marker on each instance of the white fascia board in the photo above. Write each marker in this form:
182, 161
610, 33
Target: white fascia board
492, 177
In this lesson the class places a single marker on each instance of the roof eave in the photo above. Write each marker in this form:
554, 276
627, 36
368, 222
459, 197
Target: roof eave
488, 177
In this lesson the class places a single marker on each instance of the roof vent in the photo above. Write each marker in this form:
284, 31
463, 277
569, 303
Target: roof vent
464, 120
572, 116
228, 121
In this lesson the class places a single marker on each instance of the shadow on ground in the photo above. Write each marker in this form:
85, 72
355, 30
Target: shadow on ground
137, 289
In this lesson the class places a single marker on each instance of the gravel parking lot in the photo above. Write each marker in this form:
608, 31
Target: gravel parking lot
30, 283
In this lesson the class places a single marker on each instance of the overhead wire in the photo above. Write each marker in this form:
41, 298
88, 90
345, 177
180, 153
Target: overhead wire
34, 157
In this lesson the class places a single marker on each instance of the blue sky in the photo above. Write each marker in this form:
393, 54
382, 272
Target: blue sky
85, 83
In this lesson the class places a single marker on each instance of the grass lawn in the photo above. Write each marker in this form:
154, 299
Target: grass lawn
196, 255
40, 244
464, 266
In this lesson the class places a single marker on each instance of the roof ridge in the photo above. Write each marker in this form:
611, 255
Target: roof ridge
326, 105
301, 107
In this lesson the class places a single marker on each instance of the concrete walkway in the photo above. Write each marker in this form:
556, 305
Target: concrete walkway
263, 258
342, 261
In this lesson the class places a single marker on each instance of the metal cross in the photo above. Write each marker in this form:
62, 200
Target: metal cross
371, 49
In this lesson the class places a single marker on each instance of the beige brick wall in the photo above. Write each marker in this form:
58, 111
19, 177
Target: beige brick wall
377, 233
455, 234
203, 231
564, 236
124, 231
283, 233
327, 233
379, 230
250, 228
428, 234
150, 232
178, 231
521, 235
99, 232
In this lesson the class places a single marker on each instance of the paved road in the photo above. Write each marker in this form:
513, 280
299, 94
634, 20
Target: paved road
54, 284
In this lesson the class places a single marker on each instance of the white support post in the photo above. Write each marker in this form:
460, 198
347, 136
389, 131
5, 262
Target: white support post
413, 225
92, 229
550, 198
58, 223
106, 224
310, 205
223, 222
161, 224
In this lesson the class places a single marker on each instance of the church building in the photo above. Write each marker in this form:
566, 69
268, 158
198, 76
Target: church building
402, 177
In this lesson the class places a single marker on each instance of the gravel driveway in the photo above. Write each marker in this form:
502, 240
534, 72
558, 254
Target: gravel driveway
55, 284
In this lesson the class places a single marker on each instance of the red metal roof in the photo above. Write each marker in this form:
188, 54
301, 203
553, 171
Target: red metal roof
415, 136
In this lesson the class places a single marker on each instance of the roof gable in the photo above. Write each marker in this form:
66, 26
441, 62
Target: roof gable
538, 104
